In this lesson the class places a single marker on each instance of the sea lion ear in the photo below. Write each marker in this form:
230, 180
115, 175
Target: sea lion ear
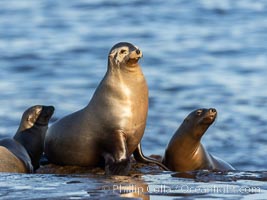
199, 112
30, 118
112, 53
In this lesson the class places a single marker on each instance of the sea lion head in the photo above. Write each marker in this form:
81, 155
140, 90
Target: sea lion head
199, 121
124, 54
29, 117
37, 114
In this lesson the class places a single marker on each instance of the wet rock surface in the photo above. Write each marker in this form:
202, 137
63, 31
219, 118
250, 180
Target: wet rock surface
144, 182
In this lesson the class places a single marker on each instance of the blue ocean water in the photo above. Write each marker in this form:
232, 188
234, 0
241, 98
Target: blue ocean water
203, 53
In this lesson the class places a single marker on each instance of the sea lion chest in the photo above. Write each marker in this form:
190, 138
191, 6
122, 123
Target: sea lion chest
121, 104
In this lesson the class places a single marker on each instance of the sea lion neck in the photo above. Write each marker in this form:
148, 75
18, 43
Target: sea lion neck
200, 131
188, 139
130, 77
186, 145
130, 67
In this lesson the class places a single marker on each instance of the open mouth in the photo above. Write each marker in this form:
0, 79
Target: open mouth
133, 60
134, 56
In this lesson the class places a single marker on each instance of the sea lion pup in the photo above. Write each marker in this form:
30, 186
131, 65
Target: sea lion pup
22, 153
109, 129
185, 151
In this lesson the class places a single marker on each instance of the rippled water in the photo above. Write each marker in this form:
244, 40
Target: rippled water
204, 53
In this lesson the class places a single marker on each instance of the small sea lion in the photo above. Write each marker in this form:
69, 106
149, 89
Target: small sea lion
21, 153
111, 126
185, 151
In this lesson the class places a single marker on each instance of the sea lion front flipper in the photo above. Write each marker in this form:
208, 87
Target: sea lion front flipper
117, 161
140, 157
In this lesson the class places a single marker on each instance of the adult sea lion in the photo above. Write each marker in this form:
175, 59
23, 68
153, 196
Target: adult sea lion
185, 151
111, 126
21, 154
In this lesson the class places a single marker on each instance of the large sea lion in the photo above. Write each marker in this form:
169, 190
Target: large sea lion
21, 154
111, 126
185, 151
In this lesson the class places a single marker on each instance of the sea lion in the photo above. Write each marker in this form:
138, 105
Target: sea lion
21, 153
185, 151
111, 126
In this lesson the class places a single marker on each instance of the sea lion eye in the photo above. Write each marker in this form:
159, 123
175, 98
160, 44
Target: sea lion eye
199, 112
122, 51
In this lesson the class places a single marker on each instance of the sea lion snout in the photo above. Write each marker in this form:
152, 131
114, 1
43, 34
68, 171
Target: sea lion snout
212, 111
135, 54
46, 114
210, 115
48, 110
